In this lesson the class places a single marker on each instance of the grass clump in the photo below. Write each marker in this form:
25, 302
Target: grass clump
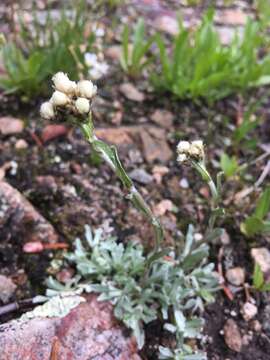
135, 56
258, 222
44, 50
200, 66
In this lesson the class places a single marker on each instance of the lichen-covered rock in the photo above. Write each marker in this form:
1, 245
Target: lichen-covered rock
88, 331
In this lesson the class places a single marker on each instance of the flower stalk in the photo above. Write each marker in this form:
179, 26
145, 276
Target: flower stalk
110, 156
193, 153
76, 99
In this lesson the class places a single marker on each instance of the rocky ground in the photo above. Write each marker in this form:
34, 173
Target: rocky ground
51, 185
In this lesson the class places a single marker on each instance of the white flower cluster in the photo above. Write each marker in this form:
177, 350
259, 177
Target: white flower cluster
69, 94
190, 151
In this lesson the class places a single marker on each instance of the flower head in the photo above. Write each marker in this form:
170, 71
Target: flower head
46, 110
82, 105
69, 97
190, 151
196, 149
182, 158
183, 146
86, 88
63, 84
59, 98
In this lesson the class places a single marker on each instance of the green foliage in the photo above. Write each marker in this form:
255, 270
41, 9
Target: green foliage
43, 51
256, 223
133, 59
229, 165
25, 74
174, 288
112, 4
201, 67
242, 131
263, 11
258, 279
115, 3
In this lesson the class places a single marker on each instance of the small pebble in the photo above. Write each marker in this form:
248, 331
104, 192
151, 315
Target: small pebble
13, 168
232, 335
141, 176
262, 257
249, 310
7, 288
198, 237
57, 159
184, 183
21, 144
236, 276
256, 326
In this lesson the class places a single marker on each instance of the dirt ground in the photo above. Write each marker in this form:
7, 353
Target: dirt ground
53, 168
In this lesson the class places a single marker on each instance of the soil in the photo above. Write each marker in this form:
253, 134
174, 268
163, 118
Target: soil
69, 187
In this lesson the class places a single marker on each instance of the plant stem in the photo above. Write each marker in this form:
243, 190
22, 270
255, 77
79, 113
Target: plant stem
216, 210
110, 156
200, 167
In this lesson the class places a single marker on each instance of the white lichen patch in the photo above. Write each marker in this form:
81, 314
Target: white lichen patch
55, 307
3, 208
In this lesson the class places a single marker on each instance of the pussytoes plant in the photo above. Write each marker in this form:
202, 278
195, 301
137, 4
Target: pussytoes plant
167, 284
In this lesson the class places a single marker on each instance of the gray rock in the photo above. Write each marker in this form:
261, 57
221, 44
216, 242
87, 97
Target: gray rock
141, 176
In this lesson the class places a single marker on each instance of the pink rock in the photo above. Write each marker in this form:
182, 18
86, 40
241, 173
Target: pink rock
232, 335
89, 331
7, 288
21, 144
10, 125
117, 136
131, 92
22, 217
53, 131
167, 24
163, 118
162, 207
154, 145
231, 17
114, 52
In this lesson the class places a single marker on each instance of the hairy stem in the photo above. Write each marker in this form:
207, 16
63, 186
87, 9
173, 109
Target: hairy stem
110, 156
216, 210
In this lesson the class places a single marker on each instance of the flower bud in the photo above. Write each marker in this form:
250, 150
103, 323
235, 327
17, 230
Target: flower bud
86, 88
59, 99
63, 84
46, 110
196, 149
182, 158
193, 151
82, 105
183, 147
